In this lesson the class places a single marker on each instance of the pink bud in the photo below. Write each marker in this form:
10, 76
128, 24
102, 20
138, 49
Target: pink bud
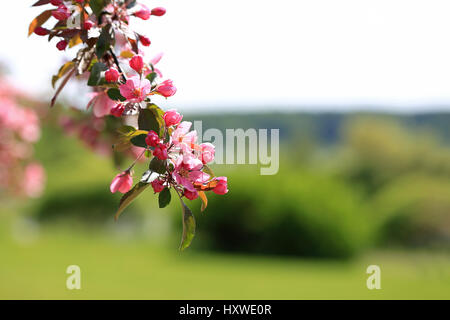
191, 195
159, 11
88, 24
41, 31
118, 110
112, 75
171, 117
152, 139
222, 186
137, 63
160, 152
121, 182
145, 41
61, 45
158, 185
166, 88
62, 13
143, 13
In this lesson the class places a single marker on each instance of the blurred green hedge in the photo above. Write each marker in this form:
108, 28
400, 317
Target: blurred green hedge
292, 213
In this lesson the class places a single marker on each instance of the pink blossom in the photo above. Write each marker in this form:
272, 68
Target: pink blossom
207, 152
222, 186
121, 182
186, 175
135, 89
143, 12
152, 139
137, 63
112, 75
172, 117
158, 185
166, 88
34, 180
62, 13
182, 138
153, 62
102, 104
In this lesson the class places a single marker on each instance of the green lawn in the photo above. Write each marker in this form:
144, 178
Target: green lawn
136, 268
117, 268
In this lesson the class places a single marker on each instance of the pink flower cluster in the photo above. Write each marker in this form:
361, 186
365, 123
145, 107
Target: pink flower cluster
19, 129
184, 159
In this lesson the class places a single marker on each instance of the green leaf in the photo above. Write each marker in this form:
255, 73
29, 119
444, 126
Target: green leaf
128, 197
96, 74
147, 120
97, 6
105, 41
158, 166
126, 130
151, 77
158, 112
164, 198
139, 140
114, 94
188, 226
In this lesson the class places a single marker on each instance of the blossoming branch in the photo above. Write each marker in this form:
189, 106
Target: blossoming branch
123, 82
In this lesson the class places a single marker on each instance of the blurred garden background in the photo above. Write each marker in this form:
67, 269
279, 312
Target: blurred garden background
364, 176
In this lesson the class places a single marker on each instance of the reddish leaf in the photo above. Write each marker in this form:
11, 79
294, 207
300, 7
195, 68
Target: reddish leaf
39, 21
41, 3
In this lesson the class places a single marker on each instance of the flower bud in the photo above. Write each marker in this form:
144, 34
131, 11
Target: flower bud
159, 11
121, 182
145, 41
191, 195
158, 185
112, 75
152, 139
222, 186
166, 88
56, 2
88, 24
144, 12
137, 63
160, 152
118, 110
172, 118
61, 45
41, 31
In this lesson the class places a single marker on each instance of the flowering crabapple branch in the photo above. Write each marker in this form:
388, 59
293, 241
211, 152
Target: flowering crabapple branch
123, 85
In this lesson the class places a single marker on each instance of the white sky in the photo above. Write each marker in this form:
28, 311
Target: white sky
286, 53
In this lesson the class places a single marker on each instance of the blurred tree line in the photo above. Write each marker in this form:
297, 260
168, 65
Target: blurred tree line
347, 183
